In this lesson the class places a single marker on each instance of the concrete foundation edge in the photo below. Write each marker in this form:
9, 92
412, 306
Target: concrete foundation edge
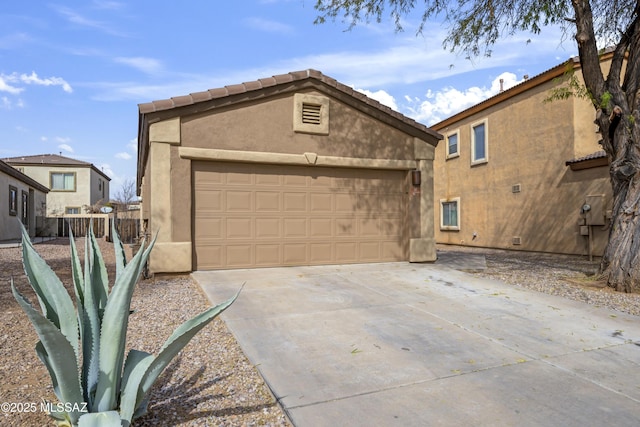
171, 257
422, 250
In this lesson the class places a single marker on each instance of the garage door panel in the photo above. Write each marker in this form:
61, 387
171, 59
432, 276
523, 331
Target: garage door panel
295, 228
239, 255
239, 228
294, 202
347, 252
320, 227
267, 201
321, 202
263, 215
345, 227
268, 228
268, 254
369, 251
294, 253
238, 201
321, 253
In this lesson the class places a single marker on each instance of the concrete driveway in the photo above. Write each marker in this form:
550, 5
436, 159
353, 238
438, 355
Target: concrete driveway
403, 344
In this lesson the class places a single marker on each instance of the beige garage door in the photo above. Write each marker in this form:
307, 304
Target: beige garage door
251, 215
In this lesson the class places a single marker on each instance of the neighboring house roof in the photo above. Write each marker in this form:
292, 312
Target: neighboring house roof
52, 160
22, 177
529, 83
593, 160
263, 88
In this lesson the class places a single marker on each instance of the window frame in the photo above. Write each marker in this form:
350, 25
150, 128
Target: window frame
472, 127
449, 155
13, 200
75, 181
24, 216
444, 227
67, 208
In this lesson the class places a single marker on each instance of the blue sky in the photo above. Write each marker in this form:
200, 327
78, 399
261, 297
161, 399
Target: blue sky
72, 72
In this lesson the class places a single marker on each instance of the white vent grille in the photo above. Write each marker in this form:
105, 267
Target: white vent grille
516, 188
311, 114
516, 240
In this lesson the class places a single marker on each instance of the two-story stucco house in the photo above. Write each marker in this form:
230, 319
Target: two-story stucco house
23, 199
73, 184
516, 172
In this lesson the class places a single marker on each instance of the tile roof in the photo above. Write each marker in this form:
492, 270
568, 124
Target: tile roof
253, 88
46, 159
593, 156
52, 160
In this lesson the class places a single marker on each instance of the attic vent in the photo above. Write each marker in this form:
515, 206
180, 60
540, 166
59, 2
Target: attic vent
516, 240
516, 188
311, 113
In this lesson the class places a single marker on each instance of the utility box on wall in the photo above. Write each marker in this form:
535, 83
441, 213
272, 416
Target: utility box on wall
595, 216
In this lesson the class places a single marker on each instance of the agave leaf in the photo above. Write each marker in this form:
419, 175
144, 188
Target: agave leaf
98, 272
78, 283
55, 302
76, 270
121, 258
135, 366
100, 419
113, 334
90, 332
59, 355
176, 342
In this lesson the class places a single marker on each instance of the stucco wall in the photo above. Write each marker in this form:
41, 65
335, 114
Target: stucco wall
528, 144
10, 224
268, 126
57, 201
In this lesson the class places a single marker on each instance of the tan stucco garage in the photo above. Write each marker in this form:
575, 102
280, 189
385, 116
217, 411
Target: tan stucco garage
296, 169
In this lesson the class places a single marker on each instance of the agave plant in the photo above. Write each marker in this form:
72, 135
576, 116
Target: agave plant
104, 389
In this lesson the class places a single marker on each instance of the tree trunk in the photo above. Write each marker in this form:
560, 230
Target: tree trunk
621, 260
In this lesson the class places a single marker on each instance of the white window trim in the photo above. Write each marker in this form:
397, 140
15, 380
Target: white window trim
457, 153
485, 159
449, 227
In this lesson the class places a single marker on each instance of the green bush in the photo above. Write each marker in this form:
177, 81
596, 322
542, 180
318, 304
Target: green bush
107, 389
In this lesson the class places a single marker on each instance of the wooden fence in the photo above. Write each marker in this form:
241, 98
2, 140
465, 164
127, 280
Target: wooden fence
128, 228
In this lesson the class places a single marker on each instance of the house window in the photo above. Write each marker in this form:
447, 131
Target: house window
72, 210
25, 208
13, 200
450, 214
63, 181
479, 146
310, 114
452, 145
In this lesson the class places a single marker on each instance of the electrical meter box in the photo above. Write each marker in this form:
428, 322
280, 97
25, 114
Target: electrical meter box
595, 216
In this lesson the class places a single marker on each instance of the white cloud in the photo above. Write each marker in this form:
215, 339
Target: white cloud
5, 85
8, 82
78, 19
146, 65
123, 156
106, 168
63, 139
268, 26
65, 147
449, 101
9, 104
133, 145
382, 97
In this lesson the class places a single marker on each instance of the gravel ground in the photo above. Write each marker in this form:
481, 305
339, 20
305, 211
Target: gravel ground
210, 383
568, 276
